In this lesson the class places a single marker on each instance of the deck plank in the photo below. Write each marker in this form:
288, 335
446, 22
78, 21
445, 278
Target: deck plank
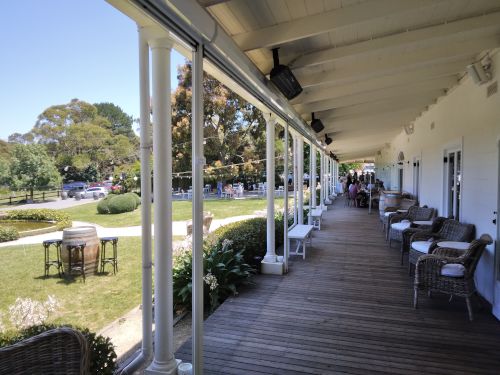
346, 309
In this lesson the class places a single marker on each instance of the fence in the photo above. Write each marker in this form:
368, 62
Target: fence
18, 198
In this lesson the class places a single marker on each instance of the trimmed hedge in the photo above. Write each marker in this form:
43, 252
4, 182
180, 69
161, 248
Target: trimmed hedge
117, 204
136, 198
103, 205
62, 219
8, 234
121, 203
102, 351
249, 236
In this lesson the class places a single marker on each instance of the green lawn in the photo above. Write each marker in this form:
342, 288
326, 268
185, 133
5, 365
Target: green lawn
181, 211
95, 304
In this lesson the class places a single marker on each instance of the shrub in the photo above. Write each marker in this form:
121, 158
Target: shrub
62, 219
248, 236
121, 203
103, 205
102, 352
224, 271
136, 197
8, 234
117, 204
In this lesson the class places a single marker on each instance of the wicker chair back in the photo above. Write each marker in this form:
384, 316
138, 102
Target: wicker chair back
452, 230
58, 351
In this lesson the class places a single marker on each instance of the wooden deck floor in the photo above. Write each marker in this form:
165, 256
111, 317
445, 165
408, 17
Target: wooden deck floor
346, 309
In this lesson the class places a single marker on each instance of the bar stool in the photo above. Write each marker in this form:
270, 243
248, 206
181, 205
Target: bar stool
76, 257
52, 262
113, 259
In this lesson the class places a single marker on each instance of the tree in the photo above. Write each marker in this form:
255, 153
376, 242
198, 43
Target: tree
234, 130
121, 123
81, 140
32, 168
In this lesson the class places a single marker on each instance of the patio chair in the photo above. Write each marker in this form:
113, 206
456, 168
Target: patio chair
400, 222
450, 271
451, 230
436, 225
58, 351
389, 211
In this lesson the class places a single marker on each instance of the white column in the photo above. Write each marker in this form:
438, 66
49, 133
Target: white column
300, 178
145, 152
295, 179
198, 162
146, 145
286, 250
164, 361
270, 264
312, 181
322, 180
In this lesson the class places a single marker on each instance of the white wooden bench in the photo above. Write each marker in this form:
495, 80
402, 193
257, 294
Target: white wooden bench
316, 218
300, 233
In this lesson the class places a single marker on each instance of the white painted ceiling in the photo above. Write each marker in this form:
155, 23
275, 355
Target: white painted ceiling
368, 67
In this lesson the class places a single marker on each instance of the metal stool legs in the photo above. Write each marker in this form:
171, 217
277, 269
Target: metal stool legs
113, 260
54, 262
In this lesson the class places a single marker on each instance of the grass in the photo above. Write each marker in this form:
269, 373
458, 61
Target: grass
95, 304
181, 211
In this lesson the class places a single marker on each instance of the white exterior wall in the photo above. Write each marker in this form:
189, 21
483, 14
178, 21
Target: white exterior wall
465, 118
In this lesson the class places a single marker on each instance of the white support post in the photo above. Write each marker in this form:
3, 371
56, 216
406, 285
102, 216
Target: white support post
164, 361
295, 180
286, 250
198, 162
300, 178
312, 181
322, 180
270, 264
145, 152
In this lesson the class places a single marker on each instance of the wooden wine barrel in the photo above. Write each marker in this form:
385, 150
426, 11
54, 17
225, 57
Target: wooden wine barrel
389, 199
88, 235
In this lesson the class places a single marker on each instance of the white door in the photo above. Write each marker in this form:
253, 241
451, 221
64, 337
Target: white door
496, 292
453, 173
416, 178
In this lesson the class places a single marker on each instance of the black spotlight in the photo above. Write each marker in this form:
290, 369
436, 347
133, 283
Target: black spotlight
283, 78
328, 140
316, 124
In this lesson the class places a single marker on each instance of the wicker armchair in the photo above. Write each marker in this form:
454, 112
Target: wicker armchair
389, 211
451, 230
396, 227
450, 271
58, 351
436, 225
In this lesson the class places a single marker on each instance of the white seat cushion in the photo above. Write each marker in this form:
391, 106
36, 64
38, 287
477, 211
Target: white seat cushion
453, 270
401, 225
388, 213
422, 246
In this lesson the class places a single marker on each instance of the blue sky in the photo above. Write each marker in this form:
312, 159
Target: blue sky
57, 50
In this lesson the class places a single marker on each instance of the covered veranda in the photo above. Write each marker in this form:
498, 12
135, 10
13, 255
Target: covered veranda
410, 85
346, 309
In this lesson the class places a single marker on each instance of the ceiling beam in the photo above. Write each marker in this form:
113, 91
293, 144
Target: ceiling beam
209, 3
368, 121
325, 22
387, 64
436, 85
387, 105
470, 28
316, 93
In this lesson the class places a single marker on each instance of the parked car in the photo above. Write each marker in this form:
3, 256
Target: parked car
76, 190
99, 190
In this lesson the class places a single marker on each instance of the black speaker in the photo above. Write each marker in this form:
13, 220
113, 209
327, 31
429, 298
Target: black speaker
283, 78
328, 140
316, 124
